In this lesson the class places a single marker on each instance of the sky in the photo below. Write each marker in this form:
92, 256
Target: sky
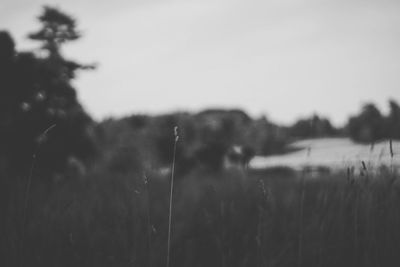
284, 59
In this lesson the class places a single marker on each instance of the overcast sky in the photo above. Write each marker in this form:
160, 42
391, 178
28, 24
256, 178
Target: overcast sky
280, 58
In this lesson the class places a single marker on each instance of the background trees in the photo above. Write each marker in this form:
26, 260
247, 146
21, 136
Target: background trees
36, 92
313, 127
371, 125
393, 120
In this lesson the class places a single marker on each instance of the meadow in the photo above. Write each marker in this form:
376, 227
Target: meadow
275, 217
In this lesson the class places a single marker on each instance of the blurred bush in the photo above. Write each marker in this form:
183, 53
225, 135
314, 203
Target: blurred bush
370, 125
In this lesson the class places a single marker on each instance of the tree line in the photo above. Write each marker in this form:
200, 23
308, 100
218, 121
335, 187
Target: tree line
36, 93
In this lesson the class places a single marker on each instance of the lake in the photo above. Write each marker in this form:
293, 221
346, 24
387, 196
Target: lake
335, 153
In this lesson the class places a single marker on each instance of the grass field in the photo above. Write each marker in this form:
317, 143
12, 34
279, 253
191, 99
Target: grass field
228, 218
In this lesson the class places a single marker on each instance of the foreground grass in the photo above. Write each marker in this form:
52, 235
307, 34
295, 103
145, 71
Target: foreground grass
228, 218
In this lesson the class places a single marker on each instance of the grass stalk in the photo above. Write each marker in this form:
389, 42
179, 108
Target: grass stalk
300, 240
149, 225
42, 137
171, 195
260, 232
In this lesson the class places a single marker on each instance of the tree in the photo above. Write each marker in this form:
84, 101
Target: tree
7, 48
57, 29
7, 57
312, 127
368, 126
39, 94
393, 120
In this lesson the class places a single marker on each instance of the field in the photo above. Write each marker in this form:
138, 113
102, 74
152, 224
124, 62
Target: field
275, 217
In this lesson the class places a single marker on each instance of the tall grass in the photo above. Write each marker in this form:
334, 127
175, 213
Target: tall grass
149, 223
270, 219
176, 138
300, 245
41, 139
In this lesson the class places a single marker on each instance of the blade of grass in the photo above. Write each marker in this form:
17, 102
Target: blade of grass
171, 194
27, 191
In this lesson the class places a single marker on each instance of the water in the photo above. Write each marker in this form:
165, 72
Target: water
335, 153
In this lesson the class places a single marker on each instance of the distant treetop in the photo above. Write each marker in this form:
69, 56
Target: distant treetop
57, 28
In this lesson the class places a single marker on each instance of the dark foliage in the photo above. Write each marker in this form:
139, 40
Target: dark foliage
370, 125
36, 93
313, 127
57, 28
205, 138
